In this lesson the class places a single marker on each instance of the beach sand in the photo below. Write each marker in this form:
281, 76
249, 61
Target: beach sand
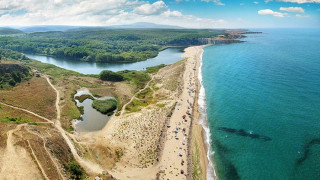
156, 142
177, 145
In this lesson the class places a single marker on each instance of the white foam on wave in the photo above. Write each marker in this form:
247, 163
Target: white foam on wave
203, 120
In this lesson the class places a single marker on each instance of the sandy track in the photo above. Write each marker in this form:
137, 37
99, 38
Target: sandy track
27, 111
16, 162
24, 163
44, 146
87, 165
134, 96
39, 164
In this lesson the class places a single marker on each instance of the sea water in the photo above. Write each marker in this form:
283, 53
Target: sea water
263, 105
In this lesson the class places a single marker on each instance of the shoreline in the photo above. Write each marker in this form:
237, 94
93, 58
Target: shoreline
199, 143
182, 143
202, 122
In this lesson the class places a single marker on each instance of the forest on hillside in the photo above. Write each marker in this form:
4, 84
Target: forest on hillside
104, 45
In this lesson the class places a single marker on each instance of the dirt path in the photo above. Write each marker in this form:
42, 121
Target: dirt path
124, 106
44, 146
39, 164
30, 112
16, 162
7, 160
57, 99
88, 166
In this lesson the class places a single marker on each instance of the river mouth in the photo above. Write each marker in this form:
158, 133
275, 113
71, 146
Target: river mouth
91, 119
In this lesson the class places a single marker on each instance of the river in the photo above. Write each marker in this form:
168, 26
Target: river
167, 56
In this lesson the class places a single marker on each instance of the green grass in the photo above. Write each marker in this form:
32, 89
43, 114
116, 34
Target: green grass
16, 120
136, 105
147, 93
161, 105
52, 70
155, 69
84, 97
105, 106
76, 171
137, 78
81, 109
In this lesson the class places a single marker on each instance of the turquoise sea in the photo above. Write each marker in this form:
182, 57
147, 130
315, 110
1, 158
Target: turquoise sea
263, 105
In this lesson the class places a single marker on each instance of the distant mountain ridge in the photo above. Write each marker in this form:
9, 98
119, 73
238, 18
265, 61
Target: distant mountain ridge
47, 28
145, 25
8, 31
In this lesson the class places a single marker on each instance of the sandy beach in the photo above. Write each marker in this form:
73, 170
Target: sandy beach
164, 139
176, 153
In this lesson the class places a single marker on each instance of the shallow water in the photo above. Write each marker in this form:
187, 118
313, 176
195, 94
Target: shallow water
93, 120
263, 99
167, 56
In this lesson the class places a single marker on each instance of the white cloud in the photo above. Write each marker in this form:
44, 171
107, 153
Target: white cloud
97, 12
255, 2
175, 18
301, 16
300, 1
217, 2
151, 9
273, 13
292, 9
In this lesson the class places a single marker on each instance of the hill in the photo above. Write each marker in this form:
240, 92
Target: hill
46, 28
145, 25
100, 44
8, 31
12, 73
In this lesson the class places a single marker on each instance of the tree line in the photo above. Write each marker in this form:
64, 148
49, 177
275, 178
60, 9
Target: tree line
104, 45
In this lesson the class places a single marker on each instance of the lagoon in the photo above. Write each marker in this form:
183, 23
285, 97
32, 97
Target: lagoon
91, 120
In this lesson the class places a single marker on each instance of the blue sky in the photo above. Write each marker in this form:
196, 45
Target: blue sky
244, 13
186, 13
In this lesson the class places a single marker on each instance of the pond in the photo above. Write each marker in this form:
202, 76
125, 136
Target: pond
167, 56
92, 120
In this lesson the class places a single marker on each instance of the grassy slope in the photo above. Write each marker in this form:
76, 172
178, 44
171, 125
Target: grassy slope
35, 95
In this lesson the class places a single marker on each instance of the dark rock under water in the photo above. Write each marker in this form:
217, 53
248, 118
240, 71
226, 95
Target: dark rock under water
242, 132
228, 170
306, 150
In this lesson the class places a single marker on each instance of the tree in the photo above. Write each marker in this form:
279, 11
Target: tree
76, 171
110, 76
12, 82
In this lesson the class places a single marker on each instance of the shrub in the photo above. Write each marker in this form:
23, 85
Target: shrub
84, 97
155, 69
75, 170
12, 82
105, 106
110, 76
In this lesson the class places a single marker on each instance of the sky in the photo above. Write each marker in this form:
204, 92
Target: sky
184, 13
